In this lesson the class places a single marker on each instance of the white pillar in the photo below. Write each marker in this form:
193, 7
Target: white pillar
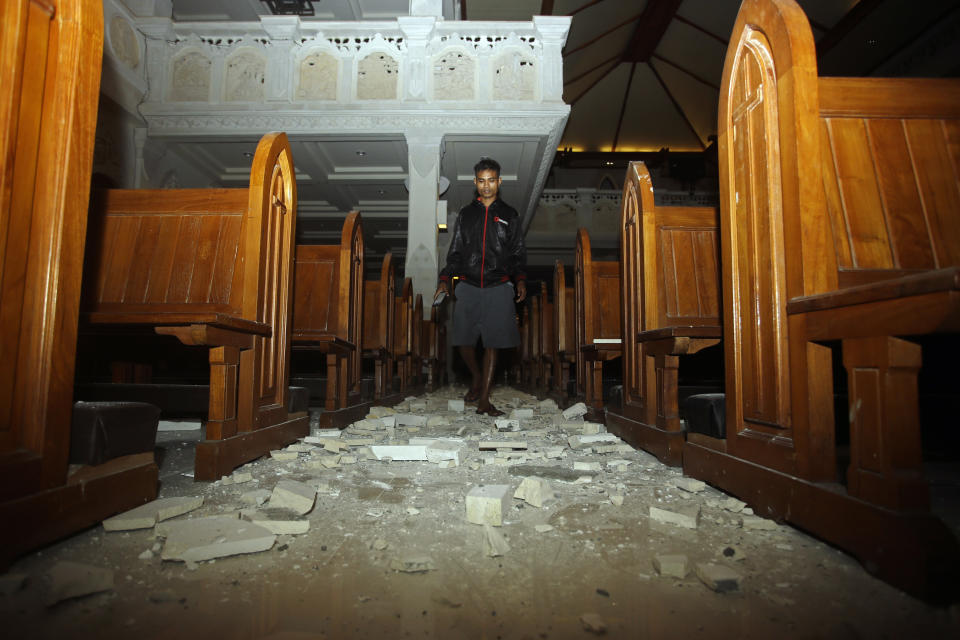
553, 34
423, 158
416, 32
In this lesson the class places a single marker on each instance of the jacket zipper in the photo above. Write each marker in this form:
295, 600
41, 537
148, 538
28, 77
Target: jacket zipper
483, 251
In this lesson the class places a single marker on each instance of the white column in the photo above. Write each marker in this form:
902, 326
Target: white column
283, 30
553, 34
416, 32
423, 158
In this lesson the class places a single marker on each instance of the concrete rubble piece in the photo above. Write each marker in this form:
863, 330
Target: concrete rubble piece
202, 539
718, 577
147, 515
552, 473
686, 516
494, 544
74, 580
672, 565
487, 504
534, 491
412, 564
399, 452
575, 411
298, 497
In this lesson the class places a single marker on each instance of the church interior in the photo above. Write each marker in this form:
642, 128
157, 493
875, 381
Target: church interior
228, 407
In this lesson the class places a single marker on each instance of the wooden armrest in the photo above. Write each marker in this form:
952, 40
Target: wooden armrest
928, 282
161, 319
325, 342
663, 333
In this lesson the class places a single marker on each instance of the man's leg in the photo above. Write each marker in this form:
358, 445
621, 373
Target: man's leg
489, 365
469, 354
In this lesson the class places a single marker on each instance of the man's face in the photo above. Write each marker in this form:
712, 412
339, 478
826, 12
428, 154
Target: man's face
488, 183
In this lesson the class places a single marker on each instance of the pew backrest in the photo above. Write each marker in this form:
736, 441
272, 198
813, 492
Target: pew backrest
378, 301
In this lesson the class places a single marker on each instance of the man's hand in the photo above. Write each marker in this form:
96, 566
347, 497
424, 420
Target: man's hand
441, 288
521, 290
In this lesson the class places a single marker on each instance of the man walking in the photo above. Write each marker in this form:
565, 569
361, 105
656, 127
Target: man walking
487, 255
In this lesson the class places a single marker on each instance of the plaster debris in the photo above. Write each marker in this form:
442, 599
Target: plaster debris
445, 450
284, 456
322, 433
214, 537
455, 405
575, 411
486, 504
507, 424
672, 565
718, 577
592, 428
543, 528
412, 564
733, 505
521, 414
409, 420
10, 583
593, 623
147, 515
689, 484
283, 527
399, 452
733, 553
581, 465
618, 464
437, 421
300, 448
348, 459
686, 516
552, 473
616, 500
548, 405
380, 412
534, 491
389, 422
494, 544
257, 497
413, 511
581, 441
379, 544
238, 477
146, 555
501, 444
295, 496
756, 523
74, 580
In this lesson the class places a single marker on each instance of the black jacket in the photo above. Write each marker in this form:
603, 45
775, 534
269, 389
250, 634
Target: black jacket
491, 258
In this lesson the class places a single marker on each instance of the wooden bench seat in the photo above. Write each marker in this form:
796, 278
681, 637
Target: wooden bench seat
564, 343
403, 337
596, 320
434, 350
670, 288
213, 268
377, 330
840, 219
545, 351
327, 317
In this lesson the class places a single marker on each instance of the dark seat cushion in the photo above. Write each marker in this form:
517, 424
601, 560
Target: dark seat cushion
102, 431
706, 414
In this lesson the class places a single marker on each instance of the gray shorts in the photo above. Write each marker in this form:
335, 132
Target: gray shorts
488, 313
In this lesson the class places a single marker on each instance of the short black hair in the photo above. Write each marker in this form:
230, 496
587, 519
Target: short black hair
486, 164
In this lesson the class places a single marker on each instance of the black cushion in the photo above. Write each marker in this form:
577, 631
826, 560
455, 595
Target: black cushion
102, 431
706, 414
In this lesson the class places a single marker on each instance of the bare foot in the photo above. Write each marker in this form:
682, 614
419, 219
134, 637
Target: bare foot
489, 410
472, 396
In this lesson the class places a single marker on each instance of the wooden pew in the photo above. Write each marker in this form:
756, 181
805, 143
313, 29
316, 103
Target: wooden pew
403, 336
50, 57
546, 350
840, 210
416, 350
564, 349
596, 320
328, 314
213, 268
531, 344
378, 301
433, 348
670, 288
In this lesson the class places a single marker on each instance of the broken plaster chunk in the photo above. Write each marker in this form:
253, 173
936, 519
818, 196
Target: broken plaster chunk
554, 452
295, 496
534, 491
368, 424
284, 456
399, 452
348, 459
543, 528
299, 447
380, 412
586, 466
618, 463
437, 421
690, 485
74, 580
359, 442
379, 544
616, 500
283, 527
501, 444
494, 544
521, 414
592, 428
575, 411
593, 623
552, 473
445, 451
257, 497
147, 515
455, 405
581, 441
412, 564
672, 565
756, 523
486, 504
733, 505
507, 424
548, 405
215, 537
686, 516
239, 477
718, 577
409, 420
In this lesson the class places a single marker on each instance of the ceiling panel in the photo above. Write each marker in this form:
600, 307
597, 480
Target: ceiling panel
502, 9
649, 103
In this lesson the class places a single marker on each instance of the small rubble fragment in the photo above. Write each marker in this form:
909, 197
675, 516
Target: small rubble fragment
548, 405
575, 411
686, 516
147, 515
455, 405
507, 424
409, 420
718, 577
257, 497
534, 491
672, 565
284, 456
214, 537
379, 544
445, 450
756, 523
486, 504
690, 485
581, 465
521, 414
551, 473
543, 528
146, 555
616, 500
295, 496
283, 527
501, 444
733, 505
593, 623
238, 477
74, 580
494, 544
399, 452
412, 564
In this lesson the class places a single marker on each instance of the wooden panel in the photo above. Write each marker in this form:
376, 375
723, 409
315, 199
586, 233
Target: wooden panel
608, 299
834, 202
934, 152
316, 288
860, 193
371, 315
889, 97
